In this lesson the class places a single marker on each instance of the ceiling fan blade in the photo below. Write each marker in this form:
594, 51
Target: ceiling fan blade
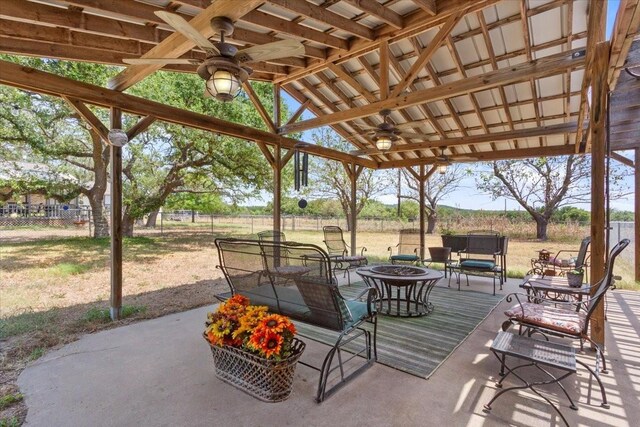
359, 152
413, 135
183, 27
463, 159
264, 52
136, 61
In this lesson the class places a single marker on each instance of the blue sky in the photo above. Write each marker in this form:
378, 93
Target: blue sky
468, 197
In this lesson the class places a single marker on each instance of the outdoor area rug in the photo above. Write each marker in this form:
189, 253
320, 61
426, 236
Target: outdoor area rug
418, 345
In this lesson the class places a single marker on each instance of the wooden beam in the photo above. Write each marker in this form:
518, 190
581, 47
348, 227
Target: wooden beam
266, 153
595, 34
88, 116
422, 196
597, 131
637, 214
523, 153
384, 69
141, 126
39, 81
374, 8
543, 67
266, 118
428, 6
625, 29
559, 129
622, 159
348, 79
427, 53
177, 44
326, 16
280, 25
299, 111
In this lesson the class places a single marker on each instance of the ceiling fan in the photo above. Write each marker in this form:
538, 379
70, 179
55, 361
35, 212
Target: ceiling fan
442, 161
223, 68
386, 133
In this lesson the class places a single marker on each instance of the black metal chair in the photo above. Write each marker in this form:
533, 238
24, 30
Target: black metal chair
314, 298
338, 251
563, 261
563, 319
408, 248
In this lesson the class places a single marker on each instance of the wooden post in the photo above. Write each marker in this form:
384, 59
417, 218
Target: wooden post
116, 220
352, 226
421, 187
276, 106
277, 187
597, 134
637, 214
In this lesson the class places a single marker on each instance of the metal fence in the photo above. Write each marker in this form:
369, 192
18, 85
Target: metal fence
623, 230
30, 222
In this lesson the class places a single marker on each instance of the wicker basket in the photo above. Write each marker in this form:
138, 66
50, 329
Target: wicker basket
267, 380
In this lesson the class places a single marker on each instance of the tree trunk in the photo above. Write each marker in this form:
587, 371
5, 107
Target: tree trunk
127, 225
152, 219
431, 223
100, 224
541, 227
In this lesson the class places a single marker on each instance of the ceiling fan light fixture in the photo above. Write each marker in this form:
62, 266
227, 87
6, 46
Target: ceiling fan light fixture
225, 80
442, 168
383, 142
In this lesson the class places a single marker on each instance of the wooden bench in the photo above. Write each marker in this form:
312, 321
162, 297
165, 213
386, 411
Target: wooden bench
295, 280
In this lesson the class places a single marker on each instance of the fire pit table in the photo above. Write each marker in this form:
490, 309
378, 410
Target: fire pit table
403, 290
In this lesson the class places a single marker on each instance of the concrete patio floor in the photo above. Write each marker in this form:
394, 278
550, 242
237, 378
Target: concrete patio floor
159, 373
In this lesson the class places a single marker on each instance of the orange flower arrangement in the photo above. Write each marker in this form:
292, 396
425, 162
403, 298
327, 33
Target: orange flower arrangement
238, 324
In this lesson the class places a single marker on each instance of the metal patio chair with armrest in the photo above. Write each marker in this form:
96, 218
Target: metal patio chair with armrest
563, 261
338, 251
408, 248
314, 298
550, 317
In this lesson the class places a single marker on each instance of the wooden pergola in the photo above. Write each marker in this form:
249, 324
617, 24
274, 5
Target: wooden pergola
481, 79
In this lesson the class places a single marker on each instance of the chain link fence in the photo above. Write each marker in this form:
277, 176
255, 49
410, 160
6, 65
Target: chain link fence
33, 222
623, 230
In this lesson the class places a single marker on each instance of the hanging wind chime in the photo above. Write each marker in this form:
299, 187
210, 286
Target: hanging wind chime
300, 174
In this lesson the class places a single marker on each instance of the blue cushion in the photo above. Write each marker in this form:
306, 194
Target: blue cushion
358, 311
404, 257
477, 264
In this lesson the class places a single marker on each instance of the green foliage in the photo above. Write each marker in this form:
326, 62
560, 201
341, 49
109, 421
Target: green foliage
617, 215
10, 422
571, 213
36, 353
204, 203
29, 321
97, 315
10, 399
65, 269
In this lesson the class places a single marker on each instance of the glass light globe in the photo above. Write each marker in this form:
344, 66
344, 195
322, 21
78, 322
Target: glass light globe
383, 143
223, 85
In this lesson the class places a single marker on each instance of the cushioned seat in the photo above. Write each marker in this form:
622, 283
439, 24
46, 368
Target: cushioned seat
404, 258
549, 317
356, 258
358, 311
478, 264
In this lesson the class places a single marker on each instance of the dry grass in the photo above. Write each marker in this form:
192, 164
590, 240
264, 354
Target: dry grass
52, 291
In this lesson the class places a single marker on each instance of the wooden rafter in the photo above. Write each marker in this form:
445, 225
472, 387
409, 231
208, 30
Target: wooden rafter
324, 15
547, 66
522, 153
427, 53
428, 6
533, 132
372, 7
88, 116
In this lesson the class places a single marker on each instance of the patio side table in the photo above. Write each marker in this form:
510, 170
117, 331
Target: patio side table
539, 354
